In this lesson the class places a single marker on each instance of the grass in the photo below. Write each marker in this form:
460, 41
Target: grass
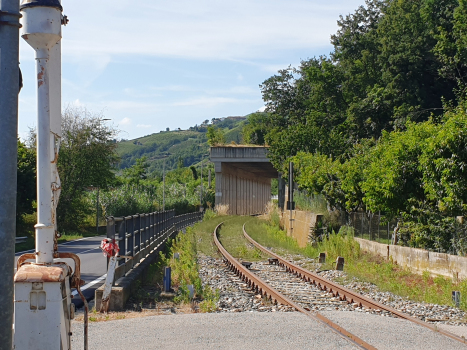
387, 275
231, 237
185, 270
198, 240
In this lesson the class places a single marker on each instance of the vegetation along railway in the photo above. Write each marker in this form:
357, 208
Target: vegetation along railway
288, 284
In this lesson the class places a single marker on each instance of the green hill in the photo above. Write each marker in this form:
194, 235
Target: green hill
187, 146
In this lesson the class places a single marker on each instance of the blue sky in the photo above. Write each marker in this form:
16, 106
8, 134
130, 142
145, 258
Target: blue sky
153, 64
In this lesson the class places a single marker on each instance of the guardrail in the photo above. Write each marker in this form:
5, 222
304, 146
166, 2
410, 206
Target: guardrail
137, 235
21, 239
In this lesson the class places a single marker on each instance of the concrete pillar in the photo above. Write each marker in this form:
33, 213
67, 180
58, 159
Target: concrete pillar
218, 189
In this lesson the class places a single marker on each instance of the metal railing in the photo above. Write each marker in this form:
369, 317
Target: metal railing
371, 226
138, 235
21, 239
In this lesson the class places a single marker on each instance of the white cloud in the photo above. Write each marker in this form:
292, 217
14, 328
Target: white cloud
206, 29
77, 103
145, 126
125, 121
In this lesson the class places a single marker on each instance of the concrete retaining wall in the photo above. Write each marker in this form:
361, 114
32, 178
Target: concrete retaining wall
419, 260
303, 222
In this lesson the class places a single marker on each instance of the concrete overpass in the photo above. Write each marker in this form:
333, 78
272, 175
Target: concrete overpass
243, 178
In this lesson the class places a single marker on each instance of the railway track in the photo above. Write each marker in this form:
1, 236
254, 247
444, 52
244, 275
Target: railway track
288, 284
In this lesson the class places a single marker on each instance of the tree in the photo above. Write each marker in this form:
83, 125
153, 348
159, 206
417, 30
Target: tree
393, 181
26, 181
215, 136
393, 61
137, 172
255, 130
443, 163
87, 158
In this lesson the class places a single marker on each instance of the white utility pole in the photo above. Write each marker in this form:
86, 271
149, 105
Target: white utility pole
43, 308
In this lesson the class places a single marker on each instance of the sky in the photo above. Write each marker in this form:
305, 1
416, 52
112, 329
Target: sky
149, 65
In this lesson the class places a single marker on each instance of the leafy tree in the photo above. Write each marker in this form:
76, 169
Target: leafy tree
443, 163
215, 136
254, 132
26, 181
137, 172
393, 181
87, 158
194, 172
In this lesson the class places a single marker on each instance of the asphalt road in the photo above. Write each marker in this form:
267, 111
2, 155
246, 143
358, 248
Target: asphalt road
93, 264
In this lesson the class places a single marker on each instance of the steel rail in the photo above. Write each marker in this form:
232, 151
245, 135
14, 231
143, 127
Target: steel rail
344, 293
261, 287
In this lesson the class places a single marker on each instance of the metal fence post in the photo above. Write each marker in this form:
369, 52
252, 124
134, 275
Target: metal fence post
122, 239
131, 236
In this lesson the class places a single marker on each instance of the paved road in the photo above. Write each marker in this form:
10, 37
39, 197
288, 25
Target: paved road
93, 264
258, 330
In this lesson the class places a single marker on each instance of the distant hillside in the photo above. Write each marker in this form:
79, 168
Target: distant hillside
188, 146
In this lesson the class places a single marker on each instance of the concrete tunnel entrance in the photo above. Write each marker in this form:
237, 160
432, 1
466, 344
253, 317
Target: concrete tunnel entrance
243, 178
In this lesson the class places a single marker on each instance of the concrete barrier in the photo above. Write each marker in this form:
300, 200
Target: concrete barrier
303, 222
419, 260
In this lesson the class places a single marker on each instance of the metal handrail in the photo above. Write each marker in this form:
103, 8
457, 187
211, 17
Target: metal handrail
138, 235
21, 239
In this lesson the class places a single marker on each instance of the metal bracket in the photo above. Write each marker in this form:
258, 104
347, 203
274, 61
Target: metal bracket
65, 20
11, 22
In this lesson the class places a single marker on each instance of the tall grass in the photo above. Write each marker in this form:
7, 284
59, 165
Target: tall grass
222, 209
128, 200
315, 203
185, 270
334, 245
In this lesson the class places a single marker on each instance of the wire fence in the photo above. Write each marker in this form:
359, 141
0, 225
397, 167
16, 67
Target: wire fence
372, 226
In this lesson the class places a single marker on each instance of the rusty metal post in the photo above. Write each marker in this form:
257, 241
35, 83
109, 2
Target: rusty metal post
9, 89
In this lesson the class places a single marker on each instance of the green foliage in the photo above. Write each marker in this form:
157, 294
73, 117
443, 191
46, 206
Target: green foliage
393, 179
315, 203
443, 163
26, 181
175, 148
209, 214
334, 245
211, 298
379, 125
185, 270
128, 200
254, 132
215, 136
393, 61
137, 172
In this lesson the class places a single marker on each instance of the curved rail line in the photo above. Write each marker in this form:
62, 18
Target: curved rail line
261, 287
344, 293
